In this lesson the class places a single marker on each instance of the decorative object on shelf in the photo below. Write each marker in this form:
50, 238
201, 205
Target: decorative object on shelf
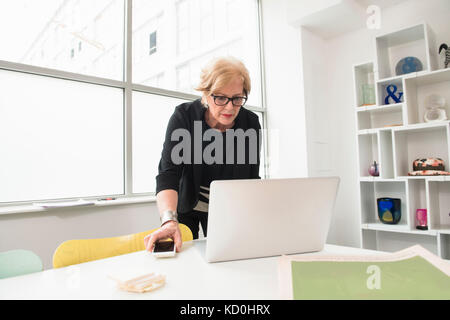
435, 105
391, 96
408, 65
447, 54
374, 170
429, 167
368, 91
421, 219
389, 210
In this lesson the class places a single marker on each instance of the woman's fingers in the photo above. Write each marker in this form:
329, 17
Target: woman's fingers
177, 239
169, 230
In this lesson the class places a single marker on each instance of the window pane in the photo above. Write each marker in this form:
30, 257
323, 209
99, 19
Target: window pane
190, 33
82, 36
151, 115
59, 138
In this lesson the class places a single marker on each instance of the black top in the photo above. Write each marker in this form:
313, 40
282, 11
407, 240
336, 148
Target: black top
216, 171
186, 178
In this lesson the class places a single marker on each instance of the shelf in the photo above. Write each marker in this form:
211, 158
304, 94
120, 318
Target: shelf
364, 79
394, 135
426, 178
406, 42
418, 142
423, 126
439, 204
373, 190
383, 93
397, 228
380, 117
402, 77
444, 247
376, 179
444, 230
418, 90
383, 108
434, 77
368, 153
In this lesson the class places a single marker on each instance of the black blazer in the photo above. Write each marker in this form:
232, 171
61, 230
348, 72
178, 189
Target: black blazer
186, 178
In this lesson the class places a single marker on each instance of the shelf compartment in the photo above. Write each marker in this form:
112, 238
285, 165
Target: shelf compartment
394, 241
392, 47
420, 87
371, 191
382, 87
368, 153
380, 117
397, 228
439, 205
411, 143
376, 238
386, 154
364, 80
444, 246
417, 199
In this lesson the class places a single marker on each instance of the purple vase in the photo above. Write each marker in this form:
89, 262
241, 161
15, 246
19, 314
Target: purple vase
374, 170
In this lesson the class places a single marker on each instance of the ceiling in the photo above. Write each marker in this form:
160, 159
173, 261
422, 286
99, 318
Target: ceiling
330, 18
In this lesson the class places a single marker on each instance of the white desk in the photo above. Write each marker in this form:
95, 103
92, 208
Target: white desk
189, 277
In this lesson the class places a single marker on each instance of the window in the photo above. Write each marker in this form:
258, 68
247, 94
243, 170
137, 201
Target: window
62, 139
72, 124
54, 26
202, 29
152, 43
151, 115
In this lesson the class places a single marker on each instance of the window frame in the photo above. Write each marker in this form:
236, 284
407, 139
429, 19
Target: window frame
153, 49
127, 85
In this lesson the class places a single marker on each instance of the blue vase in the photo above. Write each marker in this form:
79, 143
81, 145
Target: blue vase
408, 65
389, 210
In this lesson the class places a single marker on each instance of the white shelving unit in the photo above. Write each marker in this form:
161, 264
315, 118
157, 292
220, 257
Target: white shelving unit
394, 135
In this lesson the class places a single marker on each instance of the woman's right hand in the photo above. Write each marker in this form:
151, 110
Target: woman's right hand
169, 230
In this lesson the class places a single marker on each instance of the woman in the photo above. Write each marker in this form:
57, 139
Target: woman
187, 169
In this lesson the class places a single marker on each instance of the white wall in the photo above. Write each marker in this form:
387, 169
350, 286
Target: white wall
284, 94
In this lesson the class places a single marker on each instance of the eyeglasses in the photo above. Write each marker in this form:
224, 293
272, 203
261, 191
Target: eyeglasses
223, 101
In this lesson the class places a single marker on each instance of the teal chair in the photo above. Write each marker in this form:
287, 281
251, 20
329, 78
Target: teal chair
18, 262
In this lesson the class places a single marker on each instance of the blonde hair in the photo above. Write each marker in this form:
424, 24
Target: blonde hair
221, 71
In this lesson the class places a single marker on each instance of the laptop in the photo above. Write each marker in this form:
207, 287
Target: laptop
261, 218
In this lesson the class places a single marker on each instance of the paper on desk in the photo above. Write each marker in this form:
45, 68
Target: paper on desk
413, 273
140, 282
48, 205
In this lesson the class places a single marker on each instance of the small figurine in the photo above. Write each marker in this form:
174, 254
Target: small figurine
374, 170
447, 53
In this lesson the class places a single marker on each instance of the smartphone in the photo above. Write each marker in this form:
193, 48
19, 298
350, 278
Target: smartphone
164, 249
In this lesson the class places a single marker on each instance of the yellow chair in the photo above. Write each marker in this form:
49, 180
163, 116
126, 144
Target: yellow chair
78, 251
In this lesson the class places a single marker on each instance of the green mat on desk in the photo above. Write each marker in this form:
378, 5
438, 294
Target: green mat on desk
413, 278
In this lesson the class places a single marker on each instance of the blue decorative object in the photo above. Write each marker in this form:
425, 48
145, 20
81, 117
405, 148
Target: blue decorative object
391, 90
389, 210
408, 65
